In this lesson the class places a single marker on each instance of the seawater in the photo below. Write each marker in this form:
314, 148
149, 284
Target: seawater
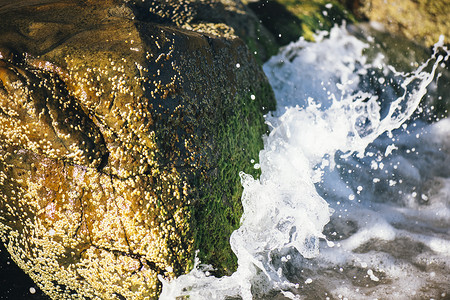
353, 201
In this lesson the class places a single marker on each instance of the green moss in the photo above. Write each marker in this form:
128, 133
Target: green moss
263, 47
288, 20
219, 210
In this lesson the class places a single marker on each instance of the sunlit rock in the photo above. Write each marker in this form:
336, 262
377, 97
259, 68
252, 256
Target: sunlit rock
123, 126
422, 21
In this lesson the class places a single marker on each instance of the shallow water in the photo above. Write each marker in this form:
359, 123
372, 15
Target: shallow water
354, 197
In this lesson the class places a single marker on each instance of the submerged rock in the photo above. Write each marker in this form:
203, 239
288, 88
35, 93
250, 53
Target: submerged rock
123, 126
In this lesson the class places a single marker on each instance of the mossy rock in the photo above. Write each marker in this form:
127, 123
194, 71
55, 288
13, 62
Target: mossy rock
288, 20
422, 21
123, 127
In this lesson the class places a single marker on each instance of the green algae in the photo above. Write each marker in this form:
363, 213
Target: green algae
289, 20
219, 210
262, 46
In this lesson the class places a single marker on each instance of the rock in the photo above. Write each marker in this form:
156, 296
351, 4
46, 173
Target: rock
422, 21
123, 126
288, 20
434, 106
14, 283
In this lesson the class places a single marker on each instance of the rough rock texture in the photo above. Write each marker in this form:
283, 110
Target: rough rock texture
419, 20
123, 126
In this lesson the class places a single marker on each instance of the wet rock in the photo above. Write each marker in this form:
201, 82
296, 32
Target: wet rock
288, 20
123, 126
419, 20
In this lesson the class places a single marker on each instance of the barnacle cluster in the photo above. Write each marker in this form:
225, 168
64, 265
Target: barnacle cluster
120, 149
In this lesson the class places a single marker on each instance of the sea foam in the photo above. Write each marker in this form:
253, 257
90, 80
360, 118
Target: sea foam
337, 151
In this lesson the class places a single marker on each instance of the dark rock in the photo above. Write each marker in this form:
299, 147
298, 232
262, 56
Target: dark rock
14, 283
288, 20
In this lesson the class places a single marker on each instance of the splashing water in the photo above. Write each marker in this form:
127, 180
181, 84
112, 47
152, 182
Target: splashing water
320, 163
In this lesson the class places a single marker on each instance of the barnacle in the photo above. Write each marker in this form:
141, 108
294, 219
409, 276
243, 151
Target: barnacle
120, 146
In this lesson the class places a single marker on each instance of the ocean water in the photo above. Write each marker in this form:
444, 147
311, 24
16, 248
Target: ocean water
354, 197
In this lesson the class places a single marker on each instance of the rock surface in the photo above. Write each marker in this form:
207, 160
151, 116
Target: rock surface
288, 20
123, 126
422, 21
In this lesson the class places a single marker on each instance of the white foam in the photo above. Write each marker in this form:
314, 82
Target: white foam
316, 149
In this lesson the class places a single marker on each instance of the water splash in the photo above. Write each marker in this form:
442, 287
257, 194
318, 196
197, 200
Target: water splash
325, 108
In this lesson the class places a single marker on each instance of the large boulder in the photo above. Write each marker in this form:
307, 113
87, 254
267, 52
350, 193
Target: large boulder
123, 126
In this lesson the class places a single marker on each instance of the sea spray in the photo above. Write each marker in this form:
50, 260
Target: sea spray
326, 118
